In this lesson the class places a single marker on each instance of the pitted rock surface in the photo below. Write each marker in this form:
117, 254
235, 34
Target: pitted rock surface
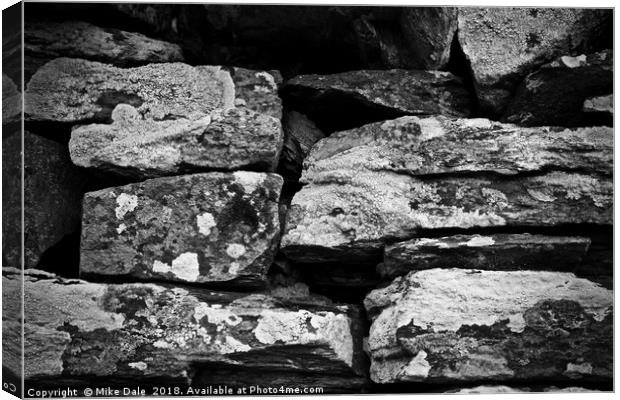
492, 252
503, 45
75, 90
451, 325
225, 139
128, 332
212, 227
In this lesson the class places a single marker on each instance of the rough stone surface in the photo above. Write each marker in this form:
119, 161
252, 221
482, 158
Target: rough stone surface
450, 325
555, 94
258, 90
11, 101
45, 40
52, 193
602, 104
226, 139
354, 213
300, 134
488, 389
438, 145
74, 90
349, 99
429, 32
503, 45
75, 330
213, 227
488, 252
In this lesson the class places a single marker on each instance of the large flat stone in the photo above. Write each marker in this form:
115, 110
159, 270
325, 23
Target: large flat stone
503, 45
76, 331
488, 252
455, 325
225, 139
209, 228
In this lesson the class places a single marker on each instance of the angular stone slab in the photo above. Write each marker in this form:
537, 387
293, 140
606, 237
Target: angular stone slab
51, 193
487, 252
438, 145
341, 101
455, 325
503, 45
300, 134
226, 139
209, 228
355, 212
74, 90
133, 333
45, 40
555, 94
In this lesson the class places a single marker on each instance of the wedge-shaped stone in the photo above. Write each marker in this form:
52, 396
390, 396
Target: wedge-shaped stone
136, 333
75, 90
349, 99
214, 227
45, 40
555, 94
503, 45
449, 325
355, 212
489, 252
226, 139
437, 145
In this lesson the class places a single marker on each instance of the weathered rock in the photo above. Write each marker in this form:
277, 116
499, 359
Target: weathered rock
11, 101
488, 252
12, 321
555, 94
300, 134
429, 32
133, 333
52, 193
450, 325
600, 104
74, 90
487, 389
226, 139
258, 90
437, 145
503, 45
350, 99
213, 227
46, 40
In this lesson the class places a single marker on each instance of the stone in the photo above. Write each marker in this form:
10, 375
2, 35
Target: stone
11, 101
599, 104
225, 139
555, 94
503, 252
350, 99
258, 90
130, 333
459, 325
352, 215
218, 228
78, 91
488, 389
52, 193
439, 145
503, 45
300, 134
46, 40
429, 32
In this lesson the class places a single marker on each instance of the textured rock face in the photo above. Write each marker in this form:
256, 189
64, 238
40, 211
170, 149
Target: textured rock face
505, 325
215, 227
384, 182
133, 332
230, 139
52, 194
492, 252
435, 145
74, 90
45, 40
11, 101
258, 90
554, 94
368, 96
505, 44
602, 104
300, 134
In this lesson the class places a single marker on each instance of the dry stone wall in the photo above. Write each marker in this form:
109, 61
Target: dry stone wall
430, 209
